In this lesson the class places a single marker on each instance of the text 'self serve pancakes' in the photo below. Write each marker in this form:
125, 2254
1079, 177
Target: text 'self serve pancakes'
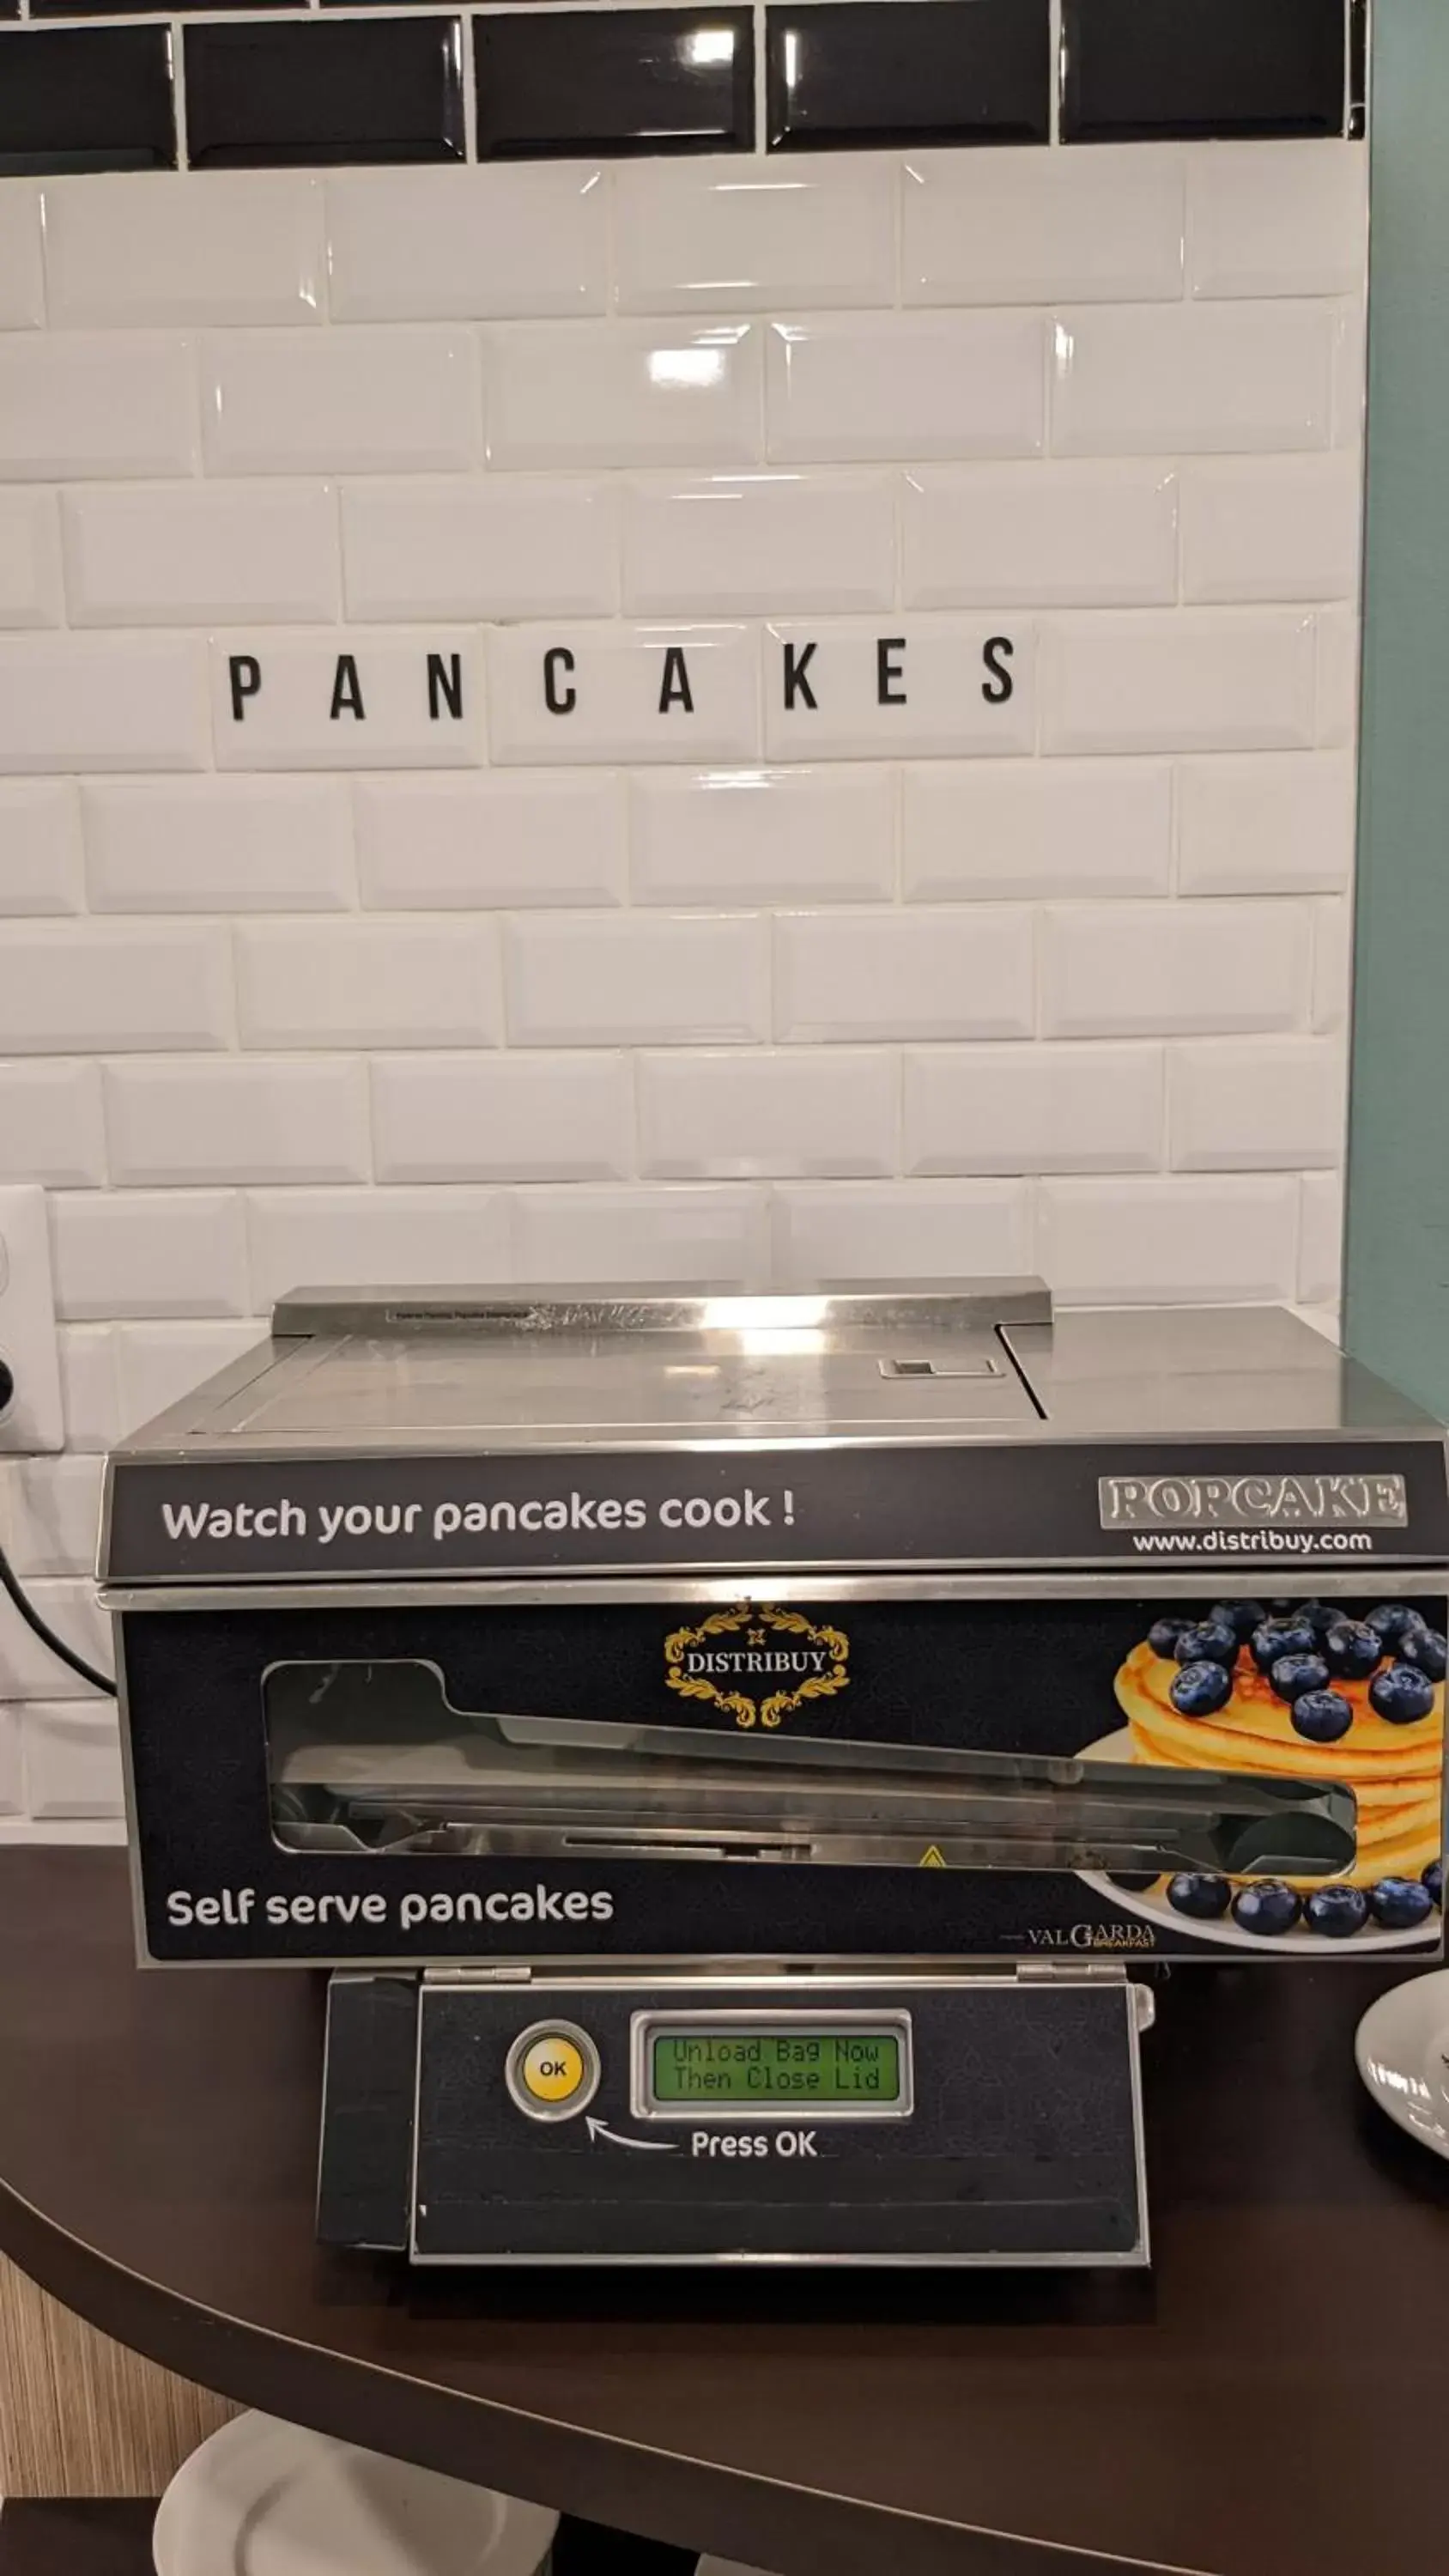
1316, 1693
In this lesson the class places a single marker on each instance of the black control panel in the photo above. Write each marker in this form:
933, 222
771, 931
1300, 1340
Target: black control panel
968, 2120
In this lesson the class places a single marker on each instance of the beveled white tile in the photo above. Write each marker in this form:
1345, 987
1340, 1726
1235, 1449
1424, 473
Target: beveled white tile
1174, 969
1040, 535
710, 545
1271, 528
102, 702
1257, 1105
1350, 373
833, 1234
706, 1236
762, 835
90, 1391
1195, 1241
501, 546
186, 554
747, 237
158, 1363
174, 1120
40, 849
982, 831
1340, 653
905, 974
377, 1238
82, 987
347, 700
22, 280
623, 393
29, 559
1129, 380
913, 385
1320, 1254
143, 246
1032, 227
95, 403
622, 979
740, 1115
518, 1116
1197, 680
1285, 218
620, 693
148, 1252
394, 401
1332, 963
916, 686
1044, 1108
31, 1672
1271, 823
51, 1127
426, 245
520, 837
72, 1753
367, 984
13, 1805
50, 1515
218, 845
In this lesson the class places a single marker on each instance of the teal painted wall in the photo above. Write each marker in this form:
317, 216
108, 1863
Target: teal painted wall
1397, 1296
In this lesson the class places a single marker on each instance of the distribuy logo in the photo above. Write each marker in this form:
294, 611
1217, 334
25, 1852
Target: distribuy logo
1257, 1502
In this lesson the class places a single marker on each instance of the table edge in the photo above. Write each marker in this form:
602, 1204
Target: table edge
602, 2477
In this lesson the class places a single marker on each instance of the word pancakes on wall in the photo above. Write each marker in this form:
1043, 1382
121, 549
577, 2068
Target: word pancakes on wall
935, 685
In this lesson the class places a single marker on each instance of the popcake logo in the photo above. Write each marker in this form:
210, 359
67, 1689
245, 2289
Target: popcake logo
1253, 1502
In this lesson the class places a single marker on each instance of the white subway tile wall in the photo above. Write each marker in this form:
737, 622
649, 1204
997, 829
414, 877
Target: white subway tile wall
752, 719
22, 276
30, 559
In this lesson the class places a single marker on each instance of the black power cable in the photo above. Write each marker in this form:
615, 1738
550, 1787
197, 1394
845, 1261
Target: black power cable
33, 1620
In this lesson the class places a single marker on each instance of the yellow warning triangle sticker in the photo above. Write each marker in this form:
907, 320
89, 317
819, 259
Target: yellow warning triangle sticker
935, 1858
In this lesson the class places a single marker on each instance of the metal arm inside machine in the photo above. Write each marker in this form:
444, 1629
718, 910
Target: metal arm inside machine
531, 1787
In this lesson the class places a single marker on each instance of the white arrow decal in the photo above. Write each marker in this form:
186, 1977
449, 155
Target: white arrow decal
650, 2146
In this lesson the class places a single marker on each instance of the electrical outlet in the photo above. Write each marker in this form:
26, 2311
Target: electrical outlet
30, 1410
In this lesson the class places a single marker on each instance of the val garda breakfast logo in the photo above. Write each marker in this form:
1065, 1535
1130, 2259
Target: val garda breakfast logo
757, 1664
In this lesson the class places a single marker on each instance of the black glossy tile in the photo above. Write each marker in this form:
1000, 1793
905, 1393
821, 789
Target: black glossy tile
851, 73
614, 81
1137, 69
92, 98
354, 89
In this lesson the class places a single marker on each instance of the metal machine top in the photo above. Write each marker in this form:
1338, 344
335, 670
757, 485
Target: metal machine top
525, 1370
526, 1433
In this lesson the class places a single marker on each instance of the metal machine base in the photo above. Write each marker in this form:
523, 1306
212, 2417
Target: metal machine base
486, 2117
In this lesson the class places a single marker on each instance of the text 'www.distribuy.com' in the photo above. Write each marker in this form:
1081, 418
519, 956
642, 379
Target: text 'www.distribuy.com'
1253, 1542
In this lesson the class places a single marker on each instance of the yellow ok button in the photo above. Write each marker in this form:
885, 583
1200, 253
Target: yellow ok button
553, 2071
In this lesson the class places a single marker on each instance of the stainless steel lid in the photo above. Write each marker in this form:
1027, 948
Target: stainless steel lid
962, 1424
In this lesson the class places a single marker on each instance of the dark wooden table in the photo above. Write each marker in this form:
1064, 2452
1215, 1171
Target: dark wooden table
1272, 2401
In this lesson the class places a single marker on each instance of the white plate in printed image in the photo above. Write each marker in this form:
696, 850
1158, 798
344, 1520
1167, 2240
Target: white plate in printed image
1151, 1903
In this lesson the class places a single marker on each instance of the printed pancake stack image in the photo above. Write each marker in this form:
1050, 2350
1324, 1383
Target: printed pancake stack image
1310, 1691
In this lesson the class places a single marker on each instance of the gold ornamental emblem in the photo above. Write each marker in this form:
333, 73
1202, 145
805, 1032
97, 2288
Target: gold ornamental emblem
757, 1663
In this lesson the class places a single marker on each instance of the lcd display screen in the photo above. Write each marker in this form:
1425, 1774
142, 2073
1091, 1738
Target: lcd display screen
801, 2064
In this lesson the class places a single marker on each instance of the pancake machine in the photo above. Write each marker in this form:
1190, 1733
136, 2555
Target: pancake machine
738, 1755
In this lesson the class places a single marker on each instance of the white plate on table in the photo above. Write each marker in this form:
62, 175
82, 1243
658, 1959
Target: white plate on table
1401, 2045
263, 2498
